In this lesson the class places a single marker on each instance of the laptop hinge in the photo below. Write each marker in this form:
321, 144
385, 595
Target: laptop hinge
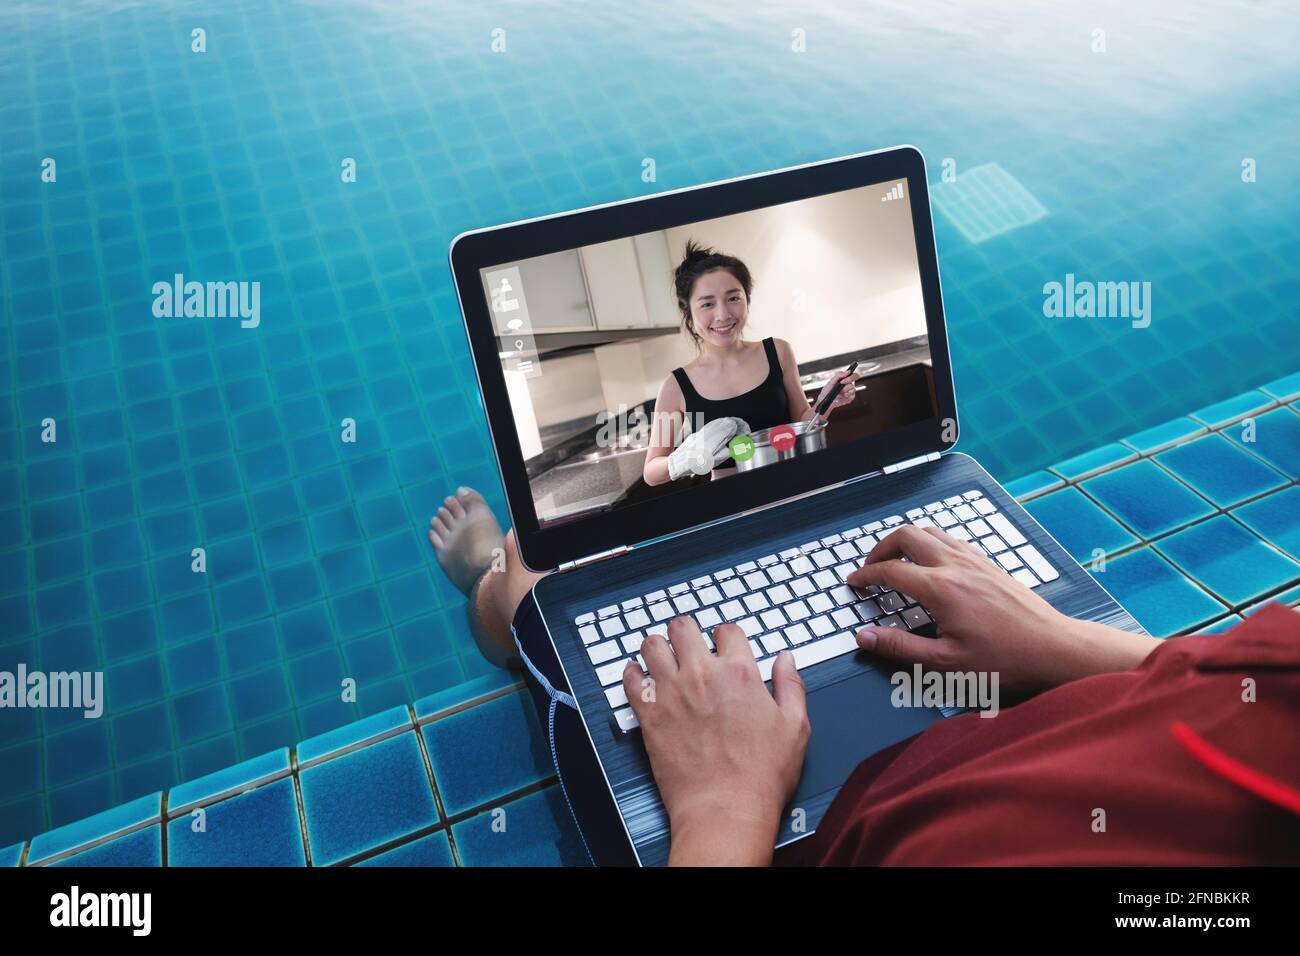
911, 463
593, 558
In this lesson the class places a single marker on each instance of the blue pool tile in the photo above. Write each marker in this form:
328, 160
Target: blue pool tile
241, 776
1231, 409
349, 735
259, 694
59, 559
1153, 591
1032, 484
293, 585
317, 675
1276, 440
284, 543
142, 848
306, 629
1221, 625
366, 799
272, 732
1229, 560
76, 753
101, 825
346, 568
208, 756
128, 635
1220, 470
250, 646
192, 665
133, 683
358, 612
471, 775
334, 529
22, 770
258, 828
1284, 389
1078, 524
186, 617
1093, 461
11, 855
1146, 499
141, 733
431, 850
122, 588
201, 713
1161, 436
1275, 518
538, 831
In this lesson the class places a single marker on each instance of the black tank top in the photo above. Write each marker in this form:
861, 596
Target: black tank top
761, 407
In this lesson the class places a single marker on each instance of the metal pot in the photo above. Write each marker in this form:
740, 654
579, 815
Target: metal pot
809, 436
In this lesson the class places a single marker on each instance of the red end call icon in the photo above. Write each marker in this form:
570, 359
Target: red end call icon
782, 438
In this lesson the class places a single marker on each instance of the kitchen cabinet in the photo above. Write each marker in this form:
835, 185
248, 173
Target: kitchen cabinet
556, 293
614, 285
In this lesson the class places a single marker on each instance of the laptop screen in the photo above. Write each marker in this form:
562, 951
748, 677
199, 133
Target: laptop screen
643, 367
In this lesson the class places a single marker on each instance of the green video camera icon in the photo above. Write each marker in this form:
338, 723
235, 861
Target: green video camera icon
741, 447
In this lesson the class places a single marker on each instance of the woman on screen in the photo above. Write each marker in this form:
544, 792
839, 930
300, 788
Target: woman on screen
732, 384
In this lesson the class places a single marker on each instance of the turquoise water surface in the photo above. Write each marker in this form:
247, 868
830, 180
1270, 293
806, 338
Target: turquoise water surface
225, 166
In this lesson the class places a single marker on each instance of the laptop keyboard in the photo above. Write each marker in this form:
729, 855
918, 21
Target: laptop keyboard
797, 599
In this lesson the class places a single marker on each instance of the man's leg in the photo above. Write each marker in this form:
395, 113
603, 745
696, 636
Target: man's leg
483, 563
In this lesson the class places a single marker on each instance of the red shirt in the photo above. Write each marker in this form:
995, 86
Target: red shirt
1185, 770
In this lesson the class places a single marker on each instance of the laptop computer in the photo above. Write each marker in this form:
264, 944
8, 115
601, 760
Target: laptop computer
576, 329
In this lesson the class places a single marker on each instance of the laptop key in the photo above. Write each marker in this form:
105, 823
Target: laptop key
611, 673
625, 721
868, 610
993, 544
636, 619
797, 634
779, 594
1009, 560
709, 595
916, 618
751, 626
845, 617
589, 634
756, 602
825, 580
1025, 577
1009, 532
984, 506
1037, 563
802, 587
632, 642
685, 603
824, 649
587, 618
767, 560
708, 618
755, 580
890, 602
733, 610
607, 651
772, 618
796, 610
891, 620
661, 611
612, 626
820, 603
733, 587
773, 643
779, 573
821, 626
616, 696
965, 513
843, 595
802, 565
747, 567
952, 502
655, 596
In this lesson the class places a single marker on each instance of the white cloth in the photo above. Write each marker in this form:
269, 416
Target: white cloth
705, 449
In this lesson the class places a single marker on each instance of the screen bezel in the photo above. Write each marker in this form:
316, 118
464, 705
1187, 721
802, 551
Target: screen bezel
546, 549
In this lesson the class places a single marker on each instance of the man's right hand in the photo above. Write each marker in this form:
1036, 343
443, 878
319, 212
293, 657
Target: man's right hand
986, 620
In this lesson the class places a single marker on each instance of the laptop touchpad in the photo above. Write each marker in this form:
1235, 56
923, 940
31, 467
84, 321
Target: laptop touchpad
851, 720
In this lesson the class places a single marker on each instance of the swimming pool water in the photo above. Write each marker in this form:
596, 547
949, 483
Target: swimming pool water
225, 165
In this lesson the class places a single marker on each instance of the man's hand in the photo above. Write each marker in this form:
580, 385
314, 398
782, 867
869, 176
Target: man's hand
986, 620
726, 754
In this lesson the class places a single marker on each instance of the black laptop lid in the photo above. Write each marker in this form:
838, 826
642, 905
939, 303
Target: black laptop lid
575, 326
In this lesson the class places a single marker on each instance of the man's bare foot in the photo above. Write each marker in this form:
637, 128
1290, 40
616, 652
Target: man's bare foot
465, 535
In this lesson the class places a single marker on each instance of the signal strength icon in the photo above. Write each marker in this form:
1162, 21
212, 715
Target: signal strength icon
895, 193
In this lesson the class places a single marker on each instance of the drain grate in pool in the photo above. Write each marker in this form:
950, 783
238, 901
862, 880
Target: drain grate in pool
986, 201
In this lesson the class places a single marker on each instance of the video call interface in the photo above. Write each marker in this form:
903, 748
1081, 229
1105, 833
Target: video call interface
643, 366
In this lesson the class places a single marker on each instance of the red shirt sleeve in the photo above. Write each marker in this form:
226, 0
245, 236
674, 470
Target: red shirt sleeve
1192, 758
